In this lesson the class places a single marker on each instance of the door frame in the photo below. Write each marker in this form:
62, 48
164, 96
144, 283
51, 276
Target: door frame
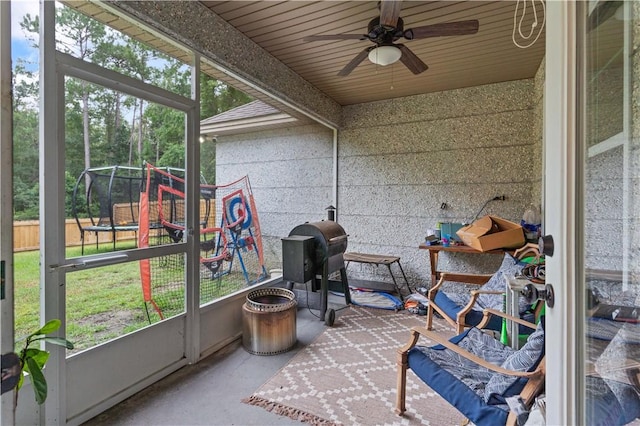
564, 369
6, 200
77, 388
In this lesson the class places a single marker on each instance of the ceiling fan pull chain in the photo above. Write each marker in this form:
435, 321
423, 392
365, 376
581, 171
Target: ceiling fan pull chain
535, 20
534, 25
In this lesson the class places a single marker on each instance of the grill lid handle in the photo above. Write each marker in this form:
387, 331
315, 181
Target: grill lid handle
338, 238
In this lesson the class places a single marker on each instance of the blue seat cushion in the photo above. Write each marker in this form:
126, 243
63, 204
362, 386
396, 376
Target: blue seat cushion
610, 403
460, 381
472, 318
527, 358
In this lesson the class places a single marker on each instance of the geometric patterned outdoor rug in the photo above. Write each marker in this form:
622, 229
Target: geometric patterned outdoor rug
348, 375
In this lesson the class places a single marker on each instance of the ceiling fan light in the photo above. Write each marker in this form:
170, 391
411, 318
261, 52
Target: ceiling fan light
385, 55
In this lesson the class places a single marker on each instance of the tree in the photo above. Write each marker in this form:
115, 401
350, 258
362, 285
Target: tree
25, 144
83, 37
216, 97
219, 97
102, 126
80, 36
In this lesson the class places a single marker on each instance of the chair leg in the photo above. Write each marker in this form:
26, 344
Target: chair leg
401, 383
429, 316
460, 323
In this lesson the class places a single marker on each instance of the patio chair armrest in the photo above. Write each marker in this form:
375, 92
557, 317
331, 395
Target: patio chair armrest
413, 339
437, 286
527, 248
421, 331
468, 279
431, 294
462, 313
487, 313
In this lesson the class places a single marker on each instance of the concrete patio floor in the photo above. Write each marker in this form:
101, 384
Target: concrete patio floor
211, 392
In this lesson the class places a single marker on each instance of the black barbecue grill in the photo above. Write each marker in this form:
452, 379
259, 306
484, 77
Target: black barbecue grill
312, 252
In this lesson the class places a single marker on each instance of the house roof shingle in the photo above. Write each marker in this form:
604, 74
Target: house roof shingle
250, 117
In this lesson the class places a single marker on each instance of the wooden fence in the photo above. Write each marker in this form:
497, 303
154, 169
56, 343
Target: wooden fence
26, 233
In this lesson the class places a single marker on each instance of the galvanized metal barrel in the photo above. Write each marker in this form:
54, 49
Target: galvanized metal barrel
269, 321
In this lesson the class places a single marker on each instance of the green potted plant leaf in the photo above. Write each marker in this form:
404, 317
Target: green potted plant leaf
33, 359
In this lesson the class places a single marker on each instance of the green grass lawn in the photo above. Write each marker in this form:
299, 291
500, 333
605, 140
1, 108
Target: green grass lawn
105, 302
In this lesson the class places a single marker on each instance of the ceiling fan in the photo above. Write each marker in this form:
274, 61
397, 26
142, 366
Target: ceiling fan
388, 28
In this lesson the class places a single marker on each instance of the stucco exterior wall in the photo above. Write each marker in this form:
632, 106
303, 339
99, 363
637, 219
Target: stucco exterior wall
604, 213
401, 160
398, 161
605, 172
537, 189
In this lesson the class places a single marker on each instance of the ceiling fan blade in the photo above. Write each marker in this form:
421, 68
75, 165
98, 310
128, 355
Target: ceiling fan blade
603, 11
443, 29
410, 60
324, 37
389, 12
354, 62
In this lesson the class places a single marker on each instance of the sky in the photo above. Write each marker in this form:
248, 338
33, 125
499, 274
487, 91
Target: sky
20, 46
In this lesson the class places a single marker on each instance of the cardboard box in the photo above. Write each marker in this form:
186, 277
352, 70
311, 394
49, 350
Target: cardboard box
491, 232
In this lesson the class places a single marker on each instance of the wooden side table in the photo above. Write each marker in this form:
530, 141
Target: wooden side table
433, 259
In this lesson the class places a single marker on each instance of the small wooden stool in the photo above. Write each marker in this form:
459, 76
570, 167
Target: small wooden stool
378, 259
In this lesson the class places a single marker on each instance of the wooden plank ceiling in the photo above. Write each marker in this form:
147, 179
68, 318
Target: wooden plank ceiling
489, 56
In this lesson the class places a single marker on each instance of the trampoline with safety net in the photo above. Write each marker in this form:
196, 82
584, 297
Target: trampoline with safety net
110, 196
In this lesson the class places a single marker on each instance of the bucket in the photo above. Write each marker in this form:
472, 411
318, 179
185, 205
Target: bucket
269, 321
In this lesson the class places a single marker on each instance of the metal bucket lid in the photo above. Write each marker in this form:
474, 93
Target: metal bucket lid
271, 299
